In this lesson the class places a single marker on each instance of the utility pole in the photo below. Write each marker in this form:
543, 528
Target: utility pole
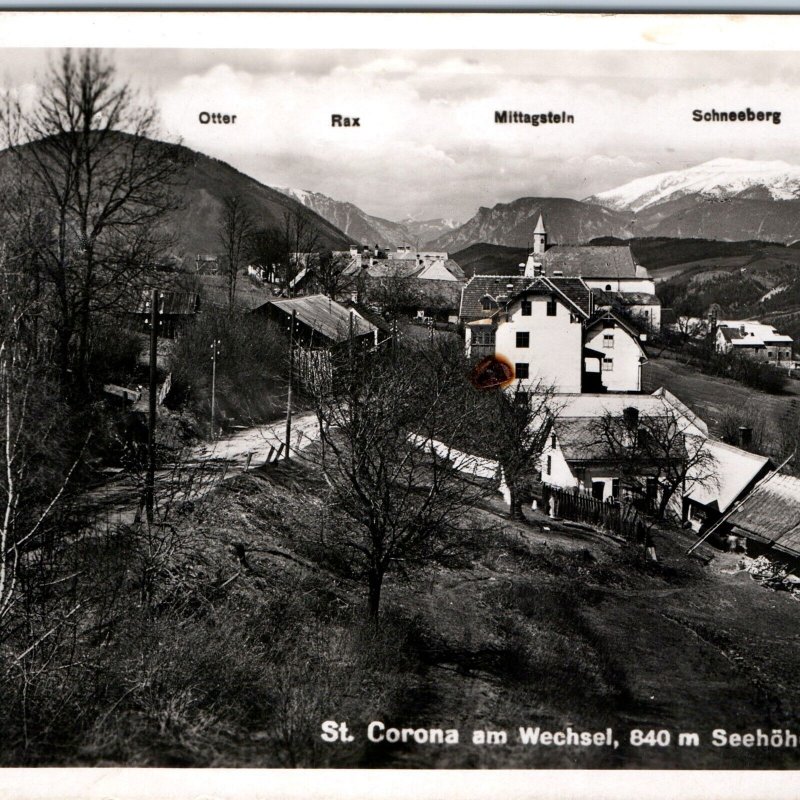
149, 494
214, 354
291, 381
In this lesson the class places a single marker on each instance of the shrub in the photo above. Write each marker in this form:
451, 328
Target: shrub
251, 367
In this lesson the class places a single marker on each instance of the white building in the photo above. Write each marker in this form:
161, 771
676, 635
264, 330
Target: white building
755, 340
576, 455
549, 331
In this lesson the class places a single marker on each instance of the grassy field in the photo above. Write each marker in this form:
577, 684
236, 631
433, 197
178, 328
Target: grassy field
259, 638
709, 396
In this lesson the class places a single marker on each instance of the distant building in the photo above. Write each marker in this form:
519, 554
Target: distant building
176, 309
206, 264
754, 340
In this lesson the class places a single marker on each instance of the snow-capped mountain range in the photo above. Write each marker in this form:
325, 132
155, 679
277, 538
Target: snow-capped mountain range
721, 178
729, 199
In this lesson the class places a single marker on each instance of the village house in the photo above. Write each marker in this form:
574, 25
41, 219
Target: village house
550, 331
736, 472
577, 454
754, 340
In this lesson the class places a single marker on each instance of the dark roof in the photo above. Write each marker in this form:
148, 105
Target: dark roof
577, 261
508, 288
580, 439
326, 316
771, 514
729, 334
454, 268
172, 303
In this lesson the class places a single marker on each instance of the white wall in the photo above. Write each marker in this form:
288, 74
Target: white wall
646, 285
556, 349
626, 375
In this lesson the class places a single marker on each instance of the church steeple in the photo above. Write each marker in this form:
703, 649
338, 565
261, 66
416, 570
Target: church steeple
533, 266
539, 237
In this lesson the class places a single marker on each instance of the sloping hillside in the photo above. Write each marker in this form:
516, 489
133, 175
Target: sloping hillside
511, 224
203, 184
490, 259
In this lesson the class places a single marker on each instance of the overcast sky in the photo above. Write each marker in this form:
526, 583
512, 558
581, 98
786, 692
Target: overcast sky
427, 144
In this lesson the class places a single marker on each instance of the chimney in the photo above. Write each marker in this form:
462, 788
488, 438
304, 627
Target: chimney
745, 436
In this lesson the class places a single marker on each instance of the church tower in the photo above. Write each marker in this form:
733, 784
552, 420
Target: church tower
539, 237
533, 267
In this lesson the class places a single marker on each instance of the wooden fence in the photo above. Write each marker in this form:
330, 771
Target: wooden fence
619, 518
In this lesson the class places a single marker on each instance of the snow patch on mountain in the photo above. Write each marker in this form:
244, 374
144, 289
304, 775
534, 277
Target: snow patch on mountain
719, 179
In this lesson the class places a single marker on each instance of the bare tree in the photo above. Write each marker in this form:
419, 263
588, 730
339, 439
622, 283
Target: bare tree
394, 292
386, 468
234, 232
513, 427
330, 274
85, 151
657, 456
300, 243
31, 484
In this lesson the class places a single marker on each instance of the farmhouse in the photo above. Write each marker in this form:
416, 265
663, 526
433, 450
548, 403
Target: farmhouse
321, 323
578, 455
754, 340
735, 474
324, 332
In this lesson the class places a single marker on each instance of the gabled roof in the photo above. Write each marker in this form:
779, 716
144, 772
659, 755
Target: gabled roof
507, 289
605, 314
579, 261
734, 470
326, 316
771, 513
596, 406
729, 334
494, 286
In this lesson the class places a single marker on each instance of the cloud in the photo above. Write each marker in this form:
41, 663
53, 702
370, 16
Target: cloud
427, 138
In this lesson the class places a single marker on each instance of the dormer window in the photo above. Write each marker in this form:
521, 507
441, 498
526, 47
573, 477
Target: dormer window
487, 303
608, 287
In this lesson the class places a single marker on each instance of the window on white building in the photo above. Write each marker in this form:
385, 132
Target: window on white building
608, 364
552, 306
523, 339
521, 371
608, 340
526, 308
